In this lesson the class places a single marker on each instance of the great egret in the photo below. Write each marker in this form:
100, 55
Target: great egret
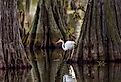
68, 45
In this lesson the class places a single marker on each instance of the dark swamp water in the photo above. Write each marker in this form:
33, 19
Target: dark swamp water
47, 66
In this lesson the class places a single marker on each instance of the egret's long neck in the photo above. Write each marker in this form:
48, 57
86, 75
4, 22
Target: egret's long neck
63, 45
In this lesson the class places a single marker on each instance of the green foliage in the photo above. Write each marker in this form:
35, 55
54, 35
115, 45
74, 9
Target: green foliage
20, 5
70, 31
34, 2
81, 7
76, 16
100, 63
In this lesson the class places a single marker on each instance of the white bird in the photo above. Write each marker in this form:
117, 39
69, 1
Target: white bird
68, 45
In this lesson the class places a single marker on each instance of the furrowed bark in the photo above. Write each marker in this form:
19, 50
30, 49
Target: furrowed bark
50, 24
12, 51
100, 37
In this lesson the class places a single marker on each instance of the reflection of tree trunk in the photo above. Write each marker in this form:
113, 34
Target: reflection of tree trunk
115, 72
44, 70
94, 73
49, 24
78, 69
12, 52
13, 75
107, 72
100, 37
35, 70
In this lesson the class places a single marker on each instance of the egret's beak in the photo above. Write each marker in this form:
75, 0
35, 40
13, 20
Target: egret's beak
57, 42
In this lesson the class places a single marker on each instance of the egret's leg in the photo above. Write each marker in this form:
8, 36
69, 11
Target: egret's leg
68, 55
64, 56
72, 54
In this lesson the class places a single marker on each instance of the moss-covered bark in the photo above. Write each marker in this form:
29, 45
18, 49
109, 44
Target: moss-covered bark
100, 37
24, 17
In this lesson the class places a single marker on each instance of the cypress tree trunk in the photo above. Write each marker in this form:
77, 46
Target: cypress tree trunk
49, 24
12, 54
100, 37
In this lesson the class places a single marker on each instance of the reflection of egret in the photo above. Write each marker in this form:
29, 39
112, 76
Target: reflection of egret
71, 77
68, 45
71, 72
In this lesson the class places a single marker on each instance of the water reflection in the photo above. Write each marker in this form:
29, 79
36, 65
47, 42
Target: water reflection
48, 66
14, 75
94, 73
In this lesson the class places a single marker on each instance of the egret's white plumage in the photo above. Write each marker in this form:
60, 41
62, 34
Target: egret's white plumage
68, 45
